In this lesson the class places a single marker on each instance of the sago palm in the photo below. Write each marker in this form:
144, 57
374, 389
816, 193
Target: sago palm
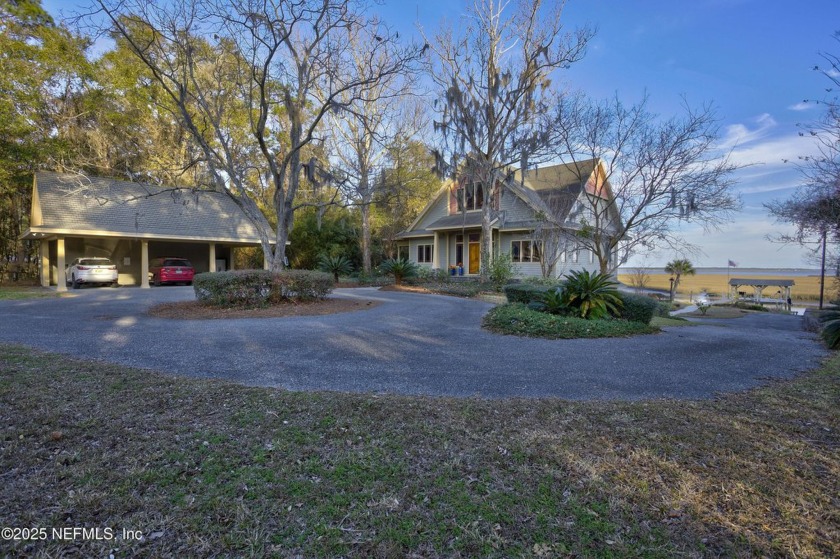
400, 269
336, 265
591, 295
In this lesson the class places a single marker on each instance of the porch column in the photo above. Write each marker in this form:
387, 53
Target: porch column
436, 252
212, 257
45, 263
61, 276
230, 259
448, 260
144, 264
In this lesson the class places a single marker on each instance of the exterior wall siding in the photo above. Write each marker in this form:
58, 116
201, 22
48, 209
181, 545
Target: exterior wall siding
412, 250
515, 208
438, 210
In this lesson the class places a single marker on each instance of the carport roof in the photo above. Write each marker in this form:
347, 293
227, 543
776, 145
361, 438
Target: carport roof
74, 205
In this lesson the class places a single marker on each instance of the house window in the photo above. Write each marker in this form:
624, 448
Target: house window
459, 250
424, 253
524, 251
575, 254
471, 196
402, 253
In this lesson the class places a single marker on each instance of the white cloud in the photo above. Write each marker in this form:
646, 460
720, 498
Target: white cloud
740, 134
802, 106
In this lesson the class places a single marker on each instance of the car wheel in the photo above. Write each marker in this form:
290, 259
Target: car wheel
156, 281
189, 283
115, 284
76, 284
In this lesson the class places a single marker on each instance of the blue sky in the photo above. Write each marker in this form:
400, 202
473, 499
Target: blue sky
752, 59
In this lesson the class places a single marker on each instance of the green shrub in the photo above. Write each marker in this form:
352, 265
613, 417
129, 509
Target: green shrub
517, 319
545, 282
304, 285
554, 301
524, 293
338, 265
458, 288
591, 295
399, 268
259, 287
373, 280
831, 328
638, 308
237, 288
663, 309
501, 270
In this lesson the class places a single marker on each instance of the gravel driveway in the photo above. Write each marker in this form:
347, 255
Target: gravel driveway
412, 344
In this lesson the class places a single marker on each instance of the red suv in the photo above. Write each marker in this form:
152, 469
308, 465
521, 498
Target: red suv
171, 270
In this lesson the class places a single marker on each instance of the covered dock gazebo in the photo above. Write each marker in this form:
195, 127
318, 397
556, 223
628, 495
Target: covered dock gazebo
758, 285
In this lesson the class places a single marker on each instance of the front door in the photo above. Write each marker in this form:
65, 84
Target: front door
475, 257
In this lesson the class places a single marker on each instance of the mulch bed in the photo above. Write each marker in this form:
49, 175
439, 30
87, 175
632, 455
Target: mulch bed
196, 310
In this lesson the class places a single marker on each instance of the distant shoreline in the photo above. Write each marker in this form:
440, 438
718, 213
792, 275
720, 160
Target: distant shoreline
739, 272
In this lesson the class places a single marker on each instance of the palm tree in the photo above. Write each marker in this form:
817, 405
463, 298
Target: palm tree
678, 268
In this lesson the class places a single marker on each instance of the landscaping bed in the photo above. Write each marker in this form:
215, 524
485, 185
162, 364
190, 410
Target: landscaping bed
209, 468
198, 310
518, 320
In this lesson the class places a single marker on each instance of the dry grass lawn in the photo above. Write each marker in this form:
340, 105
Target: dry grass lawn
207, 468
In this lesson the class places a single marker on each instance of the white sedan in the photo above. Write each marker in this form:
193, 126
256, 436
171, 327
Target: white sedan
92, 270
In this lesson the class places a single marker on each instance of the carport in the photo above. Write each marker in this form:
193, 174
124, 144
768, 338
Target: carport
131, 223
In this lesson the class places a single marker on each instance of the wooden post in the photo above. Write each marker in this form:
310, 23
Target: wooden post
61, 278
45, 263
144, 264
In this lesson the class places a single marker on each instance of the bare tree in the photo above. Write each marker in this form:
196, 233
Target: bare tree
814, 208
639, 279
363, 137
252, 82
651, 175
494, 82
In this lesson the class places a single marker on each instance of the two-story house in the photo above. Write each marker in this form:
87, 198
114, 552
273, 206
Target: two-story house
539, 219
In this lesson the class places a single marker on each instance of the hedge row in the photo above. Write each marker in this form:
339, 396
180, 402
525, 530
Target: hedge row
260, 287
525, 293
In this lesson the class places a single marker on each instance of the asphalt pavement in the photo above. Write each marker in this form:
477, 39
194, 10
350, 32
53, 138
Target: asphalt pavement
412, 344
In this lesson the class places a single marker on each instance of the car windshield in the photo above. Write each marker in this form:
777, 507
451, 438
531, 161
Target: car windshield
95, 262
176, 262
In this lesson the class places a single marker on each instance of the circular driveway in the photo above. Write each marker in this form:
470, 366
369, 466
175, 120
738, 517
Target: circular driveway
412, 344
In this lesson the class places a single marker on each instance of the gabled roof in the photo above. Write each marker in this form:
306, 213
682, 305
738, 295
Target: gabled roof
65, 205
548, 190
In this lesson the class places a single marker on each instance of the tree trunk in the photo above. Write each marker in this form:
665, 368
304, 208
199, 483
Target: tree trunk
366, 264
486, 246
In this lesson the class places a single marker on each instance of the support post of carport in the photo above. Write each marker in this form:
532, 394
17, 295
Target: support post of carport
230, 259
61, 278
144, 264
212, 257
45, 263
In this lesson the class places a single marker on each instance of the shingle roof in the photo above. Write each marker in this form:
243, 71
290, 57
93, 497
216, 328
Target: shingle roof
138, 210
762, 282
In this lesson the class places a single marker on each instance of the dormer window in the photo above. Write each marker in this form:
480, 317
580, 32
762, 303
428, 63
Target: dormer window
470, 196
